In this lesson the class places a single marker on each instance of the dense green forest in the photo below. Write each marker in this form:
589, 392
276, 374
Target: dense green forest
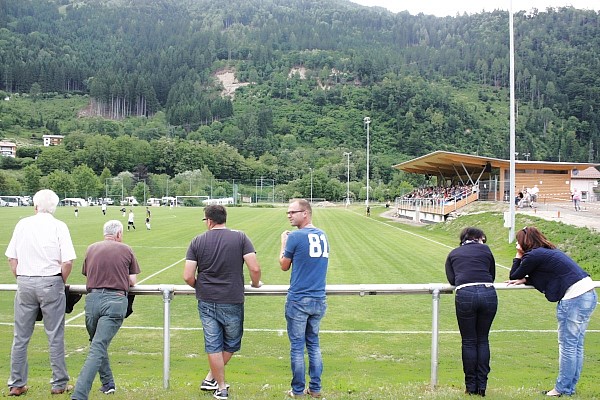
132, 84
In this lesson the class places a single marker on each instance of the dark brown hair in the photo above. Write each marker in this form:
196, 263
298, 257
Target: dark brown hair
471, 233
530, 237
216, 214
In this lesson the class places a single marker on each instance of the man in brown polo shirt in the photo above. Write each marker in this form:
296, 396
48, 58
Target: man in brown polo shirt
111, 268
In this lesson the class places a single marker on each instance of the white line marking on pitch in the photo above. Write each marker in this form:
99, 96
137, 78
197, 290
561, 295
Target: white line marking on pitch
140, 282
361, 332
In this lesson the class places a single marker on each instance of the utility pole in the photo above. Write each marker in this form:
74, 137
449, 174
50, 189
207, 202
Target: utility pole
347, 154
367, 121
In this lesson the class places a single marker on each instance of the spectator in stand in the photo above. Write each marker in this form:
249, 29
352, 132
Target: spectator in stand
519, 199
534, 193
526, 200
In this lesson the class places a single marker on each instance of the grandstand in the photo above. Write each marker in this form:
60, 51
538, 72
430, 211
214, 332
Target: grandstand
487, 177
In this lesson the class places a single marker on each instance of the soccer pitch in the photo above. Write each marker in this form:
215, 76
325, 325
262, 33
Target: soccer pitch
373, 347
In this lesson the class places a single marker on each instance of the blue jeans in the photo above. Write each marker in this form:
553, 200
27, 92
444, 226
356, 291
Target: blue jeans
303, 320
104, 314
573, 316
476, 308
223, 326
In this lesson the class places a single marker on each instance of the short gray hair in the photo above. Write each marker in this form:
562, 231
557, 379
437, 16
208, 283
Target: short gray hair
113, 227
45, 201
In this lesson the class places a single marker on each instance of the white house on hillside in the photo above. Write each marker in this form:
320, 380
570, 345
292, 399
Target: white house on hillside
8, 149
52, 140
586, 181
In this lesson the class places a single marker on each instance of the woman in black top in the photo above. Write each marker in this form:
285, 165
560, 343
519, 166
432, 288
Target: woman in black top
472, 269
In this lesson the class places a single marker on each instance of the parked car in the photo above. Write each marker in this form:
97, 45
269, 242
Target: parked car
153, 202
129, 201
73, 201
12, 201
168, 201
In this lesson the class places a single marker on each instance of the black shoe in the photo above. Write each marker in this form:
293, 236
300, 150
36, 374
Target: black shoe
221, 394
209, 385
108, 388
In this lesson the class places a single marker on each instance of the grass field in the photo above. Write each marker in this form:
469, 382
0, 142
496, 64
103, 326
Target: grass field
374, 347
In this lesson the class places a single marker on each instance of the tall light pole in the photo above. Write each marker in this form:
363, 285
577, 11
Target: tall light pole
347, 154
367, 122
311, 186
511, 151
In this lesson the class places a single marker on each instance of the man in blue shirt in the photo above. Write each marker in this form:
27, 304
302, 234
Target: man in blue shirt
307, 250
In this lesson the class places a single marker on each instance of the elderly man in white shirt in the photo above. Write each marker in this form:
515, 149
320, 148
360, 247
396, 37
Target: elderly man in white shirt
40, 255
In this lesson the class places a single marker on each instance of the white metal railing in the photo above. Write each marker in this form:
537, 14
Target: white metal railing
169, 291
436, 205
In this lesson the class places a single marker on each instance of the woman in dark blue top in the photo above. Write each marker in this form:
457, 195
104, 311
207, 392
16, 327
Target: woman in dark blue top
539, 263
472, 269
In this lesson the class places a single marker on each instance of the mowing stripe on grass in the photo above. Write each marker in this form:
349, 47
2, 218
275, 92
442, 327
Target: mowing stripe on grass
417, 235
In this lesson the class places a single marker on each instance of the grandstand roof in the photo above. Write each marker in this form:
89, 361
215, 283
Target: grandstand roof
590, 173
449, 163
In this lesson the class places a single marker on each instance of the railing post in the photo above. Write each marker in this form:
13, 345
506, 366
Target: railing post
167, 293
435, 332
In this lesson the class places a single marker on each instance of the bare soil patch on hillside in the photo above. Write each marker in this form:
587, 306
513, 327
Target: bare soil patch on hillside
229, 82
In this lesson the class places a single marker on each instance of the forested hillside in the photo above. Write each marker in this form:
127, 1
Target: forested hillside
144, 76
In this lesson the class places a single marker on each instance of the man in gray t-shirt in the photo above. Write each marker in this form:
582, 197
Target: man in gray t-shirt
220, 260
214, 267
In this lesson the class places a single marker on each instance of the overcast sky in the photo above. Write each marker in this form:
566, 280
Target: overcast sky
443, 8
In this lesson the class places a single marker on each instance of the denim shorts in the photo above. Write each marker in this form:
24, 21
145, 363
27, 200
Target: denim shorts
223, 326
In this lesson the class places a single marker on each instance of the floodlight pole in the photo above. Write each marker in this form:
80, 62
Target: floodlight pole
367, 121
311, 185
347, 154
511, 201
